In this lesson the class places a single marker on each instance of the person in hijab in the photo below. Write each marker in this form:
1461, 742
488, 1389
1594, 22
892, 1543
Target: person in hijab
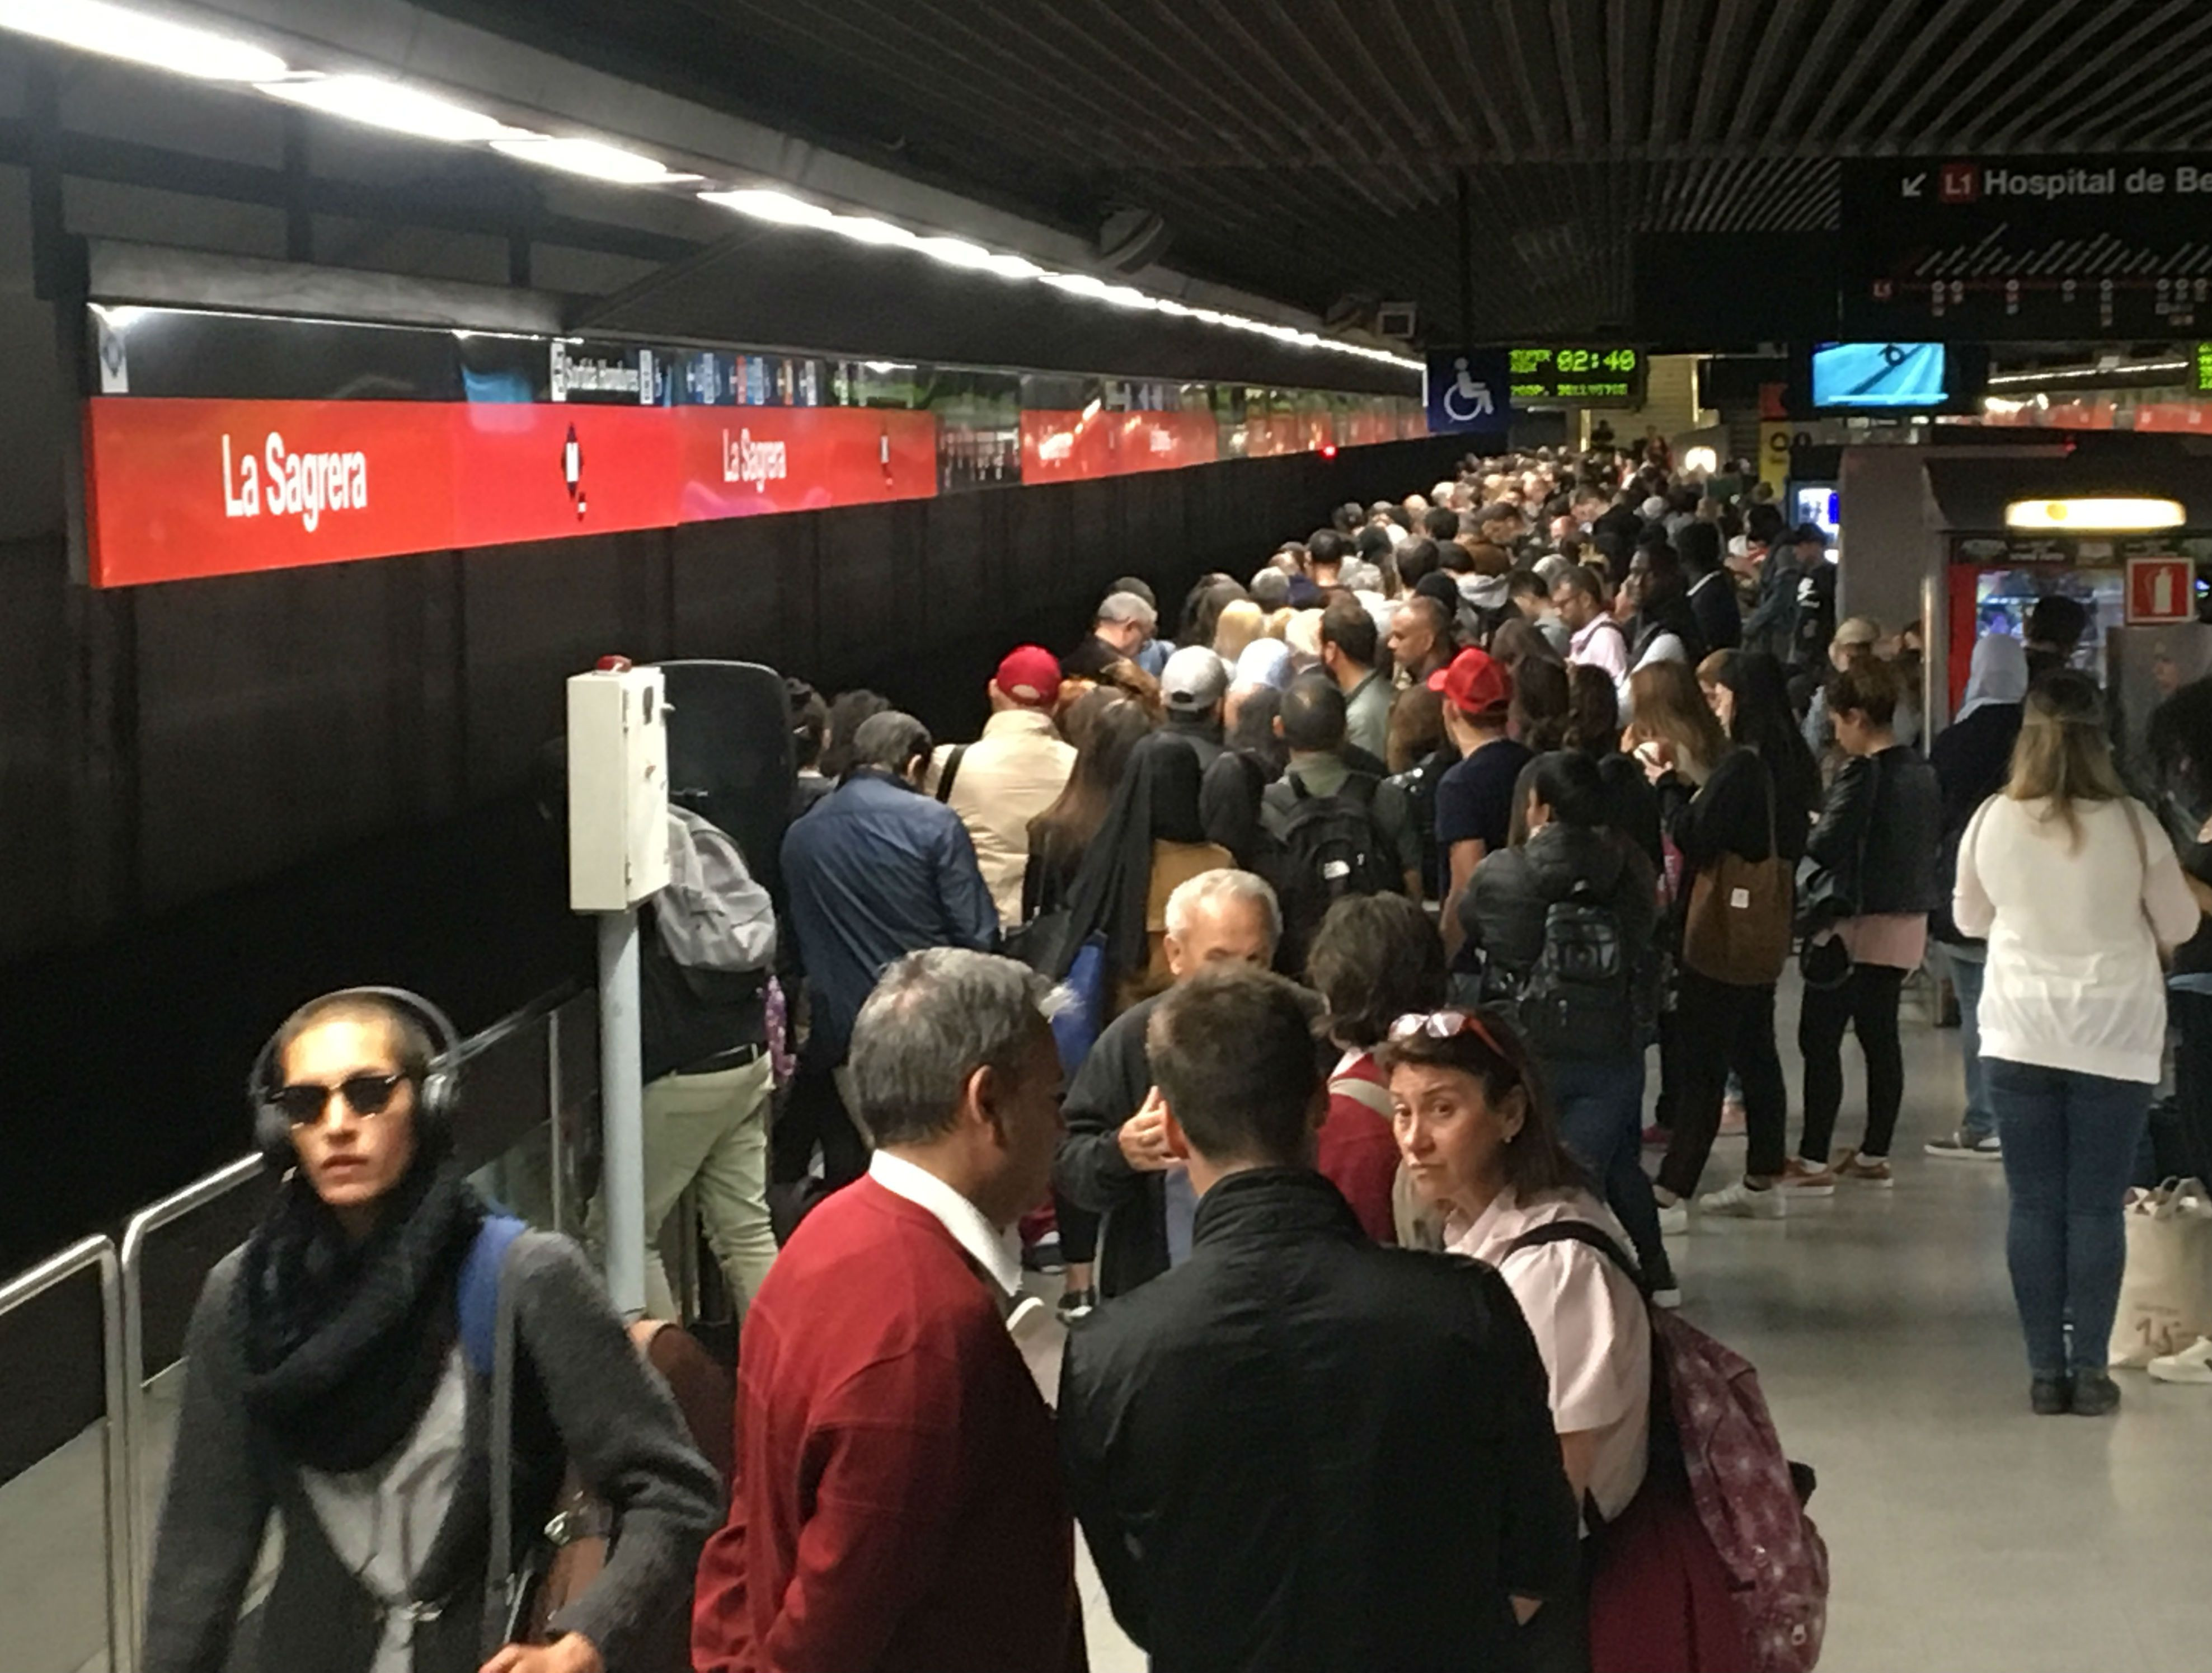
333, 1376
1153, 839
1972, 757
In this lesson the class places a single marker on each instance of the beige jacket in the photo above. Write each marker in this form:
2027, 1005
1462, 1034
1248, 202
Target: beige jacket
1006, 778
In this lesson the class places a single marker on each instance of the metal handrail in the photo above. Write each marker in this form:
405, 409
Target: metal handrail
98, 1255
143, 1223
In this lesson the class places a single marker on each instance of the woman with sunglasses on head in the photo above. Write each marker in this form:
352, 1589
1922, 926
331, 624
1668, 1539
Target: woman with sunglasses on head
331, 1378
1482, 1145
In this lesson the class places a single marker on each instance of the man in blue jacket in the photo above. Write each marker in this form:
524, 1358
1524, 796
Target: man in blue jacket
875, 870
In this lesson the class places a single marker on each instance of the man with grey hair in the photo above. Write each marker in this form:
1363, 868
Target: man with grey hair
897, 1500
1122, 627
875, 870
1116, 1160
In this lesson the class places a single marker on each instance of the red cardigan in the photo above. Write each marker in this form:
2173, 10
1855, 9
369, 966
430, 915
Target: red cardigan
1357, 1152
898, 1506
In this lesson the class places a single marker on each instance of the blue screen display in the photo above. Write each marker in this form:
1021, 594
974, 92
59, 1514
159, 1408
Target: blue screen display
1878, 376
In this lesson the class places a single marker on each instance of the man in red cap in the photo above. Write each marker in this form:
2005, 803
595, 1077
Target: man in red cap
1012, 774
1474, 801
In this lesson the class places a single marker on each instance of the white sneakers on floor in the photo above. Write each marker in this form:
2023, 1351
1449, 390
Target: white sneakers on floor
1958, 1147
2193, 1364
1741, 1201
1673, 1220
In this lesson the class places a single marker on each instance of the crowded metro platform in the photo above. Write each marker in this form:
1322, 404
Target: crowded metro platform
975, 925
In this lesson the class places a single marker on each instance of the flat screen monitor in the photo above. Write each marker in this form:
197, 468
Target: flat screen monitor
1881, 377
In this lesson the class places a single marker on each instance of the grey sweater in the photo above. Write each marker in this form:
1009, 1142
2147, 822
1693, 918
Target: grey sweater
613, 1418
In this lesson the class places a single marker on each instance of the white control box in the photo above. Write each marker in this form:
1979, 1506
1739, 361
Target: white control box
617, 789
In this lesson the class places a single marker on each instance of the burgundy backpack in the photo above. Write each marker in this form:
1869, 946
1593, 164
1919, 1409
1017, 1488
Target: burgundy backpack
1710, 1424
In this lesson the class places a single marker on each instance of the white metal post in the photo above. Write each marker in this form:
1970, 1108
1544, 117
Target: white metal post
621, 1112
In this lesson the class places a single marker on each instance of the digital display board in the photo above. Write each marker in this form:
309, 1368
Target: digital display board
1879, 376
1969, 248
1605, 376
2204, 368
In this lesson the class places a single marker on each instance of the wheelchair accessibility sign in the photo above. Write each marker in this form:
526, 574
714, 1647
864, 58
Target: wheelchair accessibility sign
1467, 392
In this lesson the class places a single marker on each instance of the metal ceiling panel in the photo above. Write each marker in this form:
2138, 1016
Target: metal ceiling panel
1311, 149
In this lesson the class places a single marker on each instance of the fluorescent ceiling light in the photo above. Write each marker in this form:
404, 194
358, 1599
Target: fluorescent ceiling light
93, 26
1080, 284
764, 205
1016, 267
593, 159
867, 230
2114, 516
956, 253
394, 106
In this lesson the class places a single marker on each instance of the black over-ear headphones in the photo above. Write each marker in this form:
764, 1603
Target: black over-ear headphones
434, 1098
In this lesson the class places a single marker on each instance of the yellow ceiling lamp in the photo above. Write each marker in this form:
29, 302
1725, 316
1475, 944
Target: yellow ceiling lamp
2114, 515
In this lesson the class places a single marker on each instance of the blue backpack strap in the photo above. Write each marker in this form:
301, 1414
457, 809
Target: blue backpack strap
476, 1296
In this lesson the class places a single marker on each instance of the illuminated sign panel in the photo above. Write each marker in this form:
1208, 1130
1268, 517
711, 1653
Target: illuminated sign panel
2204, 368
1605, 376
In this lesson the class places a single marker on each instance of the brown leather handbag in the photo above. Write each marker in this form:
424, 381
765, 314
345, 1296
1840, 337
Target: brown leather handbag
1737, 928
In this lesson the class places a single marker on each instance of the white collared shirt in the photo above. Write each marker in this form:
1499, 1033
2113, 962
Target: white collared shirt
991, 1248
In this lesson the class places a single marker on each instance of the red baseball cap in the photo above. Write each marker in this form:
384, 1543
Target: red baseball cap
1030, 674
1476, 682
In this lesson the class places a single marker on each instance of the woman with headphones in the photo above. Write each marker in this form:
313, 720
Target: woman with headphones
340, 1372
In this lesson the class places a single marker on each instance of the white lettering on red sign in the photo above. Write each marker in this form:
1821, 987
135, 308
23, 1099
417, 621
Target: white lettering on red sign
289, 484
1163, 442
759, 463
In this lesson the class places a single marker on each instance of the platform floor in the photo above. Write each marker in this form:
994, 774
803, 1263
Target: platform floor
1966, 1534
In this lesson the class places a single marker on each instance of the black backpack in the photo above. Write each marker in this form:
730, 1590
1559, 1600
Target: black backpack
1579, 999
1329, 848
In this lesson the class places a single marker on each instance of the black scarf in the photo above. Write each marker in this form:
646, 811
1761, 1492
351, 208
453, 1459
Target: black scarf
345, 1343
1157, 800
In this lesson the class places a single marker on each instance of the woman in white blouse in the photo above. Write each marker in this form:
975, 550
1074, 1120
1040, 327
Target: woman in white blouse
2076, 886
1481, 1144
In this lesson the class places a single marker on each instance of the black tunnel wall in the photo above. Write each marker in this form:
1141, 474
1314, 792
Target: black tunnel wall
219, 797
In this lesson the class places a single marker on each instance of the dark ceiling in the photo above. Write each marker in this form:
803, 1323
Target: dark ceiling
1311, 149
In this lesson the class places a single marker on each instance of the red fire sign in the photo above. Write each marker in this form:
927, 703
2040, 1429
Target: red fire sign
2160, 590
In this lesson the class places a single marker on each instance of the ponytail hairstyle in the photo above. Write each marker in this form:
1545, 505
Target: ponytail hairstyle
2062, 756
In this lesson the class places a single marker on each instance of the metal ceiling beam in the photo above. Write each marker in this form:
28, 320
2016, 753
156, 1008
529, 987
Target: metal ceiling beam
2115, 53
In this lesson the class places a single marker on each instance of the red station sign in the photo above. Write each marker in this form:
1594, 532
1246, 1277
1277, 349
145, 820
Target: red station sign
180, 487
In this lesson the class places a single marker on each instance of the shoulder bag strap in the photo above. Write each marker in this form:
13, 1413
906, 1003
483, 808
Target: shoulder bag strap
951, 771
1581, 1231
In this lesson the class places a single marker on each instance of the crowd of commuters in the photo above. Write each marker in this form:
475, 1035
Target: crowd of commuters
1244, 969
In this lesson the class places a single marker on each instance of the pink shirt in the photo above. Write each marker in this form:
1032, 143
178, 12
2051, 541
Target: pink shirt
1590, 1325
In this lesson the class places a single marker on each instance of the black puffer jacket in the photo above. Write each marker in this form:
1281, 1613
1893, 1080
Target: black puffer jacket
1503, 908
1880, 834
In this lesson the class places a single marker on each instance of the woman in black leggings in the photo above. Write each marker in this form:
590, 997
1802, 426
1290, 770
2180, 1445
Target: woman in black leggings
1876, 844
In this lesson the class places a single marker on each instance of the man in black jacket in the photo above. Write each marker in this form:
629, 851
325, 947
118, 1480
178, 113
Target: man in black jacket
1301, 1452
1115, 1159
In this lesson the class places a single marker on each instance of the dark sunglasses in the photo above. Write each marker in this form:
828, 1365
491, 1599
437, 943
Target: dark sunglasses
366, 1095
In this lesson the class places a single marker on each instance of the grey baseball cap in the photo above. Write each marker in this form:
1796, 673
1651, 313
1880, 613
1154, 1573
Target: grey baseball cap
1193, 680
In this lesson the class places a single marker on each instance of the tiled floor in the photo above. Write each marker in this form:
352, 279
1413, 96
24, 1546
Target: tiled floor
1966, 1534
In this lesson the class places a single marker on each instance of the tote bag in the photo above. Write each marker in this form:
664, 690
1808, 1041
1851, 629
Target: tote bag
2166, 1294
1737, 927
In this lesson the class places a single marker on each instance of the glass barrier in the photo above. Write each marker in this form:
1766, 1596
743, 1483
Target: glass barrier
61, 1384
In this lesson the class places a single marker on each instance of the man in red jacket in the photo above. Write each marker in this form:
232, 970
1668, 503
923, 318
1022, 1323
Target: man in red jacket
898, 1506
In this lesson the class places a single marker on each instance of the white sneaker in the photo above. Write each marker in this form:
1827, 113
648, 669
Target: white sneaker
1739, 1202
1956, 1147
1673, 1220
1668, 1299
2193, 1364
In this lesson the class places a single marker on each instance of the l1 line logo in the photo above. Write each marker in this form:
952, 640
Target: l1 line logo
184, 488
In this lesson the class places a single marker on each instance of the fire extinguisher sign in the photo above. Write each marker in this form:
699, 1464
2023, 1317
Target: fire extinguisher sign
2160, 590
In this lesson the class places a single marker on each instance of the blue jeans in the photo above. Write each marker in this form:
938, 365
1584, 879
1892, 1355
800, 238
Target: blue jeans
1967, 976
1601, 1105
2070, 1147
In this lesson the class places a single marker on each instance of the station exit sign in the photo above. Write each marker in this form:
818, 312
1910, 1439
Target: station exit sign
1600, 375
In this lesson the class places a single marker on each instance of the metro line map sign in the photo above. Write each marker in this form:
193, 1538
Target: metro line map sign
2027, 249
